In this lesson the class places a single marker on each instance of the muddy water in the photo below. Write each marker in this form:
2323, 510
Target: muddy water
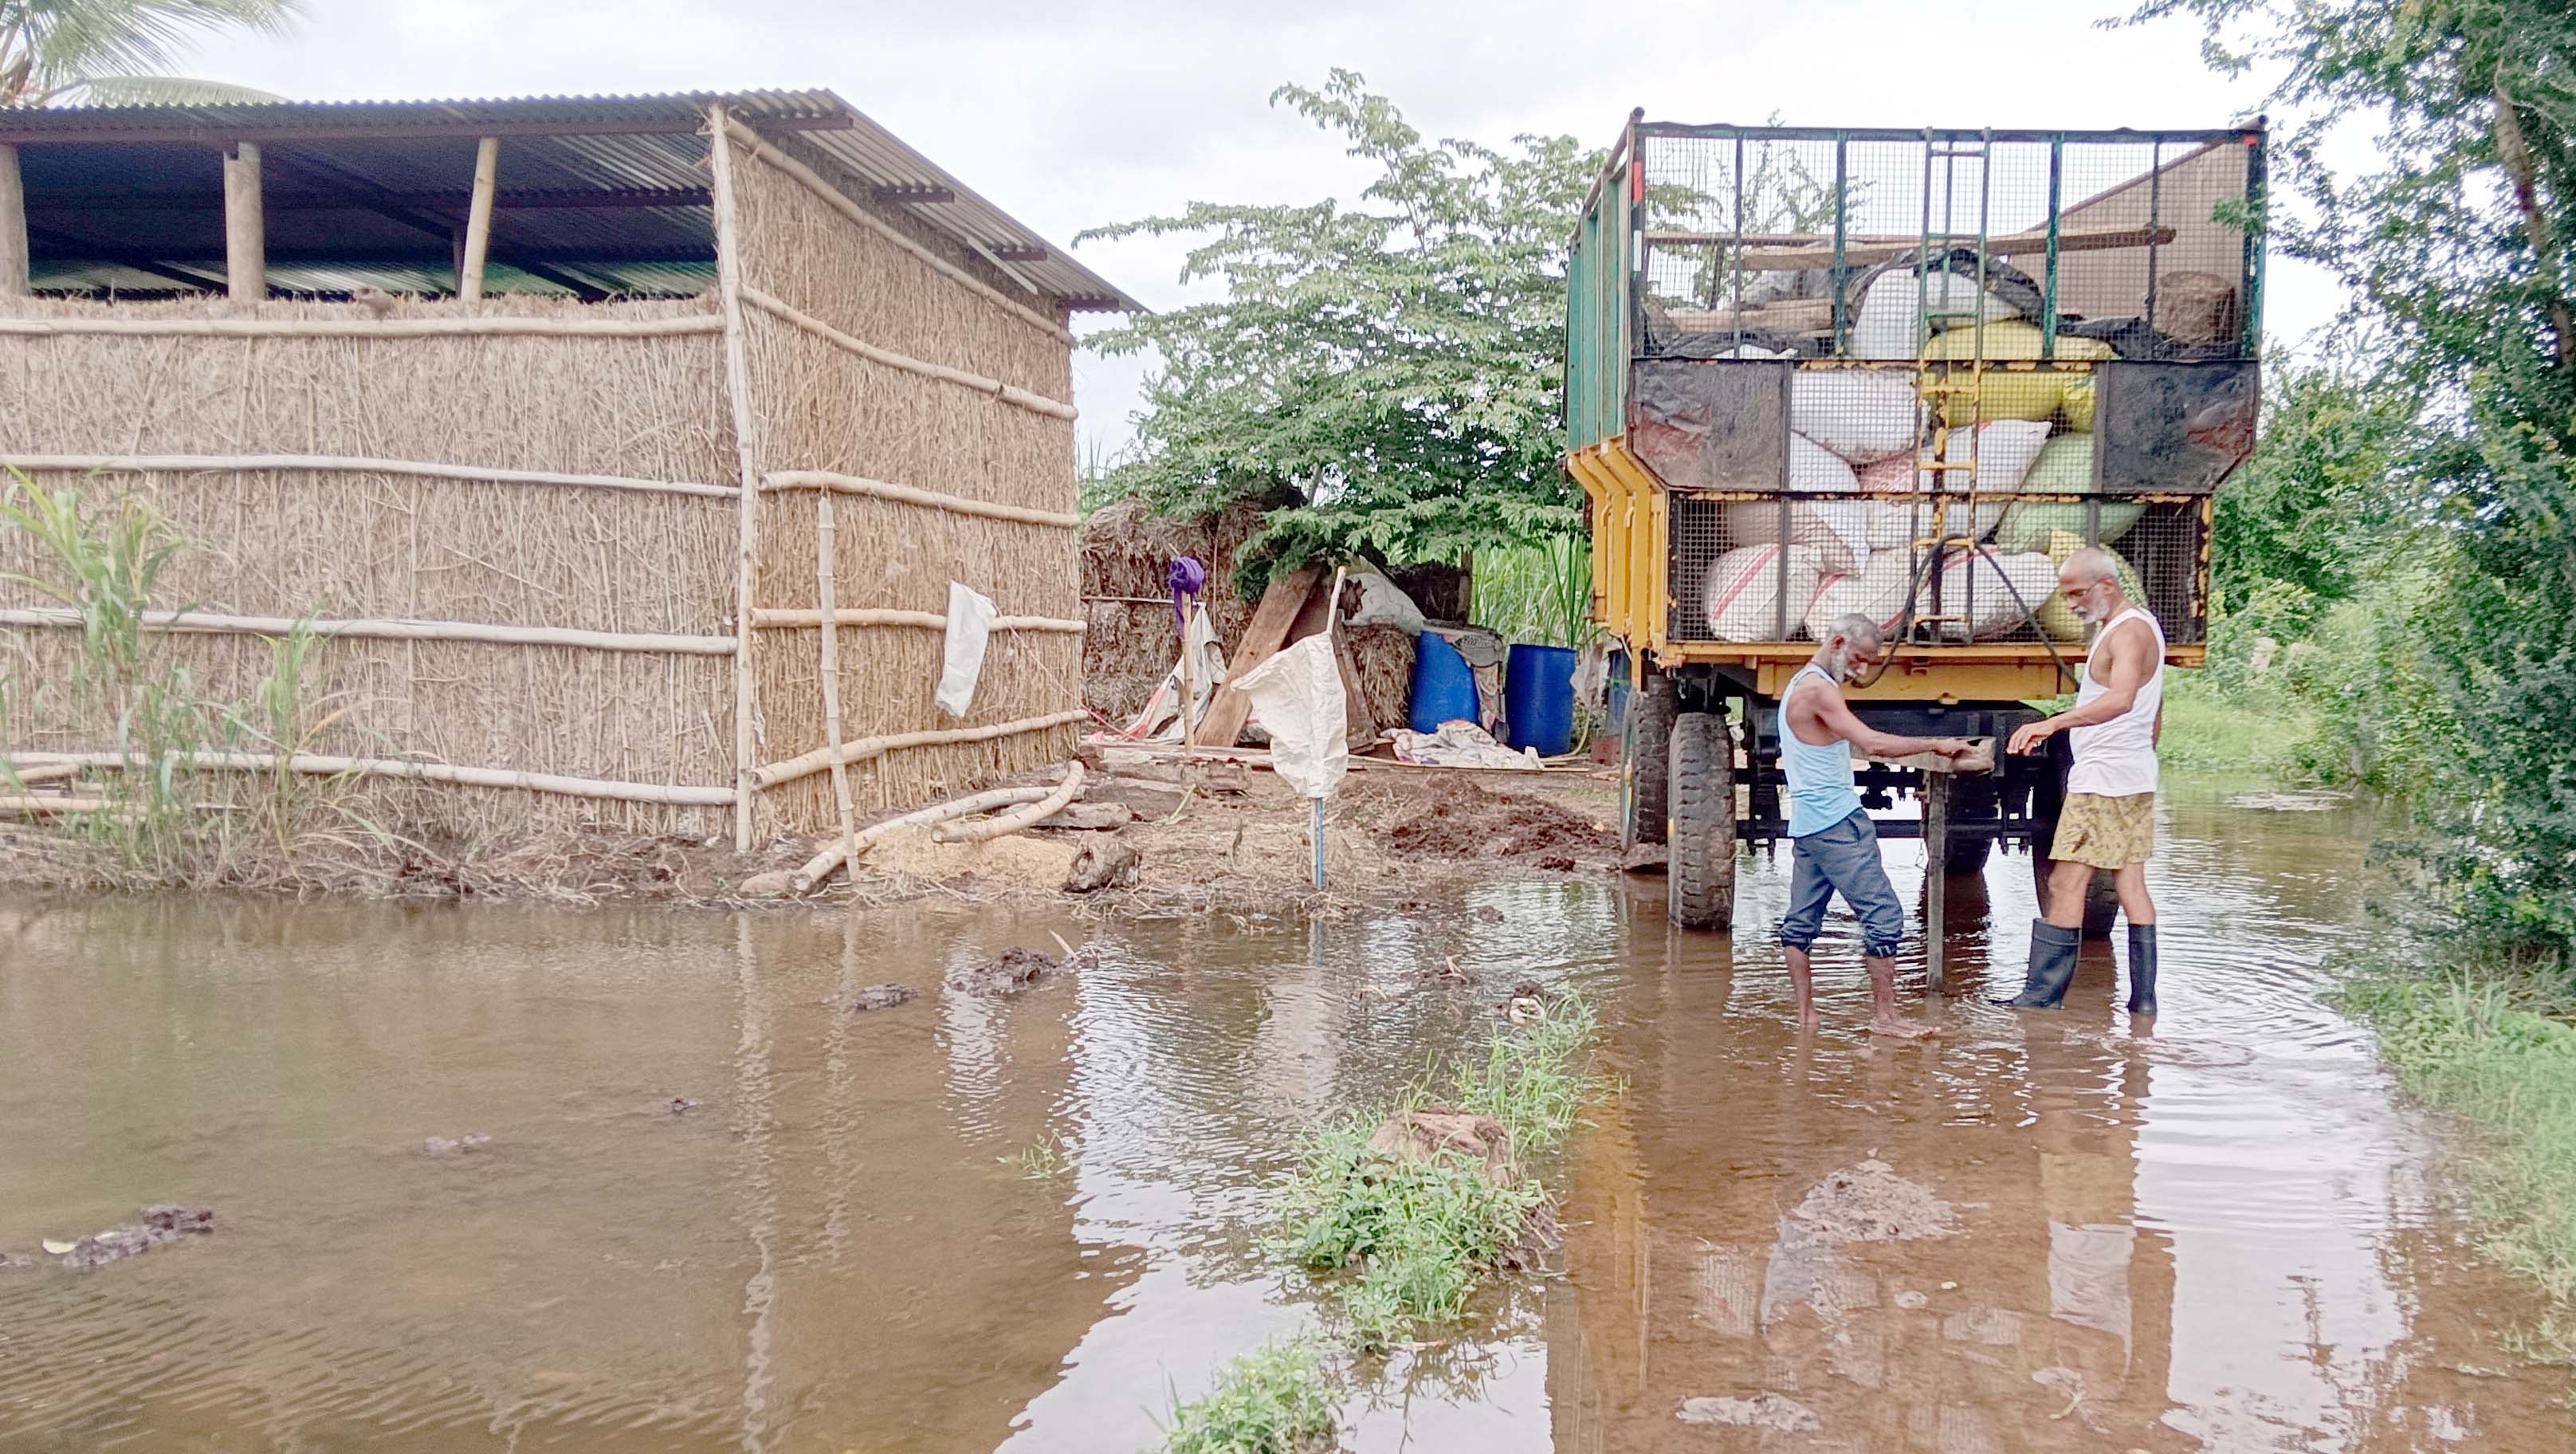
966, 1225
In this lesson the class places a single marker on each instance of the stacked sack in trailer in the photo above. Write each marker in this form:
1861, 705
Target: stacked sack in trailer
1860, 432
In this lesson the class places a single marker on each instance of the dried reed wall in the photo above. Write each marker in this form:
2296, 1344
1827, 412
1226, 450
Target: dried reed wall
821, 406
343, 543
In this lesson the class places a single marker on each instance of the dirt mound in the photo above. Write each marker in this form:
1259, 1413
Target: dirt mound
1006, 973
161, 1225
1450, 818
1871, 1203
1414, 1137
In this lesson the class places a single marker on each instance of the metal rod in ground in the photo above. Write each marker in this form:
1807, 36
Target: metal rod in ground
1319, 845
1936, 875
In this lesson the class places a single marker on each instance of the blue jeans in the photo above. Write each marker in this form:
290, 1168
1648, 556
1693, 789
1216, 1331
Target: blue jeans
1844, 859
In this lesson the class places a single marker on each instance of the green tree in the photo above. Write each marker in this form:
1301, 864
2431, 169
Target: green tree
2458, 250
115, 52
2313, 508
1397, 365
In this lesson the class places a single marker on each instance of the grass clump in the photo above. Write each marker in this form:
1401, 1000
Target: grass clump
1277, 1399
2497, 1047
1416, 1238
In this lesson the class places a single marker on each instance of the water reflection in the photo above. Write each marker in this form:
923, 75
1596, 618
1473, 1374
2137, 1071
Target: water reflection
2220, 1235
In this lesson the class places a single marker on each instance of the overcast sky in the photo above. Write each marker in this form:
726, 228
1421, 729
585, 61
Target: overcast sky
1073, 113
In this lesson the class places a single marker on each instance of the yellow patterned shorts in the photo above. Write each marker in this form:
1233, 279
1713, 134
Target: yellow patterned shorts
2106, 832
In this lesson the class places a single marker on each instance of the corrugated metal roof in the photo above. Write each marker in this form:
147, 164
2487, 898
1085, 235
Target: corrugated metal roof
92, 173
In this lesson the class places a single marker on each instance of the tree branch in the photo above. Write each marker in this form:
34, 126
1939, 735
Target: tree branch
2514, 151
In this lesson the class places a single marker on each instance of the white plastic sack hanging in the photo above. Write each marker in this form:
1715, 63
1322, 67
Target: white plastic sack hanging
970, 629
1298, 696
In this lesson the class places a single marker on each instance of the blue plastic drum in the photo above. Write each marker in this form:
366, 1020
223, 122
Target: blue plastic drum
1444, 686
1538, 700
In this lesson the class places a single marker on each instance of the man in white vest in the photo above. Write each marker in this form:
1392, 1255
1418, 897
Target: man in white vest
2109, 817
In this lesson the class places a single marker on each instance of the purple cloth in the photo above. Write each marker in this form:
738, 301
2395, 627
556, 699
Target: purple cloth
1189, 581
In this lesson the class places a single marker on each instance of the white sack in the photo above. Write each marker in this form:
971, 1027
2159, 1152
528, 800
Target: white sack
1161, 719
1876, 591
1840, 531
1978, 587
1889, 322
1298, 696
970, 629
1861, 415
1384, 603
2006, 450
1741, 594
1460, 744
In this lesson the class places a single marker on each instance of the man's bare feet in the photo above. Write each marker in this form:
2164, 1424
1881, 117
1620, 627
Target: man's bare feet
1896, 1029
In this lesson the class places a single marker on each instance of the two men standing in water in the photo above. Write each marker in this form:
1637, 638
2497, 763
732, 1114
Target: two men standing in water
2107, 822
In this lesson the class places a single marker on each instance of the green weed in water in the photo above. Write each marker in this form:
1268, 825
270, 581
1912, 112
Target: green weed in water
1277, 1399
1415, 1239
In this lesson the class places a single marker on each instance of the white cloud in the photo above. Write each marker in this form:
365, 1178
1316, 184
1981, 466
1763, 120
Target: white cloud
1069, 115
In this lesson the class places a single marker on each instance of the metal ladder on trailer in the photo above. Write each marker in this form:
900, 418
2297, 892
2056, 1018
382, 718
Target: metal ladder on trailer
1941, 389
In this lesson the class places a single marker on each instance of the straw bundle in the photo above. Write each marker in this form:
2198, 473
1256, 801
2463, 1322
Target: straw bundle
1383, 658
1130, 639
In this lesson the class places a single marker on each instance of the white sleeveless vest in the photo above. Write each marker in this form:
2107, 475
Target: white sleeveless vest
2117, 759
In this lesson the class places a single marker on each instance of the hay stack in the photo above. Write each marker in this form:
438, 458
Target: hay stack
1127, 555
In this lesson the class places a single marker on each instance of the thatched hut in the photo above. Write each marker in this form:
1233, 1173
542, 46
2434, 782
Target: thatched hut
622, 449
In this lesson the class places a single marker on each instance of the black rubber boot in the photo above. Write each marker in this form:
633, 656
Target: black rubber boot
2142, 969
2052, 967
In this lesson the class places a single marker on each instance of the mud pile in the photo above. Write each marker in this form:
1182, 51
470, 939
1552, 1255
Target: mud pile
1870, 1203
1447, 818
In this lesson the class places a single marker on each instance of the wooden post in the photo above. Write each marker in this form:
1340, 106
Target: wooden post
826, 562
747, 459
14, 266
478, 220
245, 226
1936, 875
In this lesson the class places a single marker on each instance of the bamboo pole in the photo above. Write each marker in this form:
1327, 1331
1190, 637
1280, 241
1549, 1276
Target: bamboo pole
824, 567
317, 765
774, 619
820, 866
807, 764
348, 464
245, 226
913, 495
363, 327
833, 198
720, 127
1013, 821
37, 807
1007, 393
213, 623
31, 774
478, 220
14, 257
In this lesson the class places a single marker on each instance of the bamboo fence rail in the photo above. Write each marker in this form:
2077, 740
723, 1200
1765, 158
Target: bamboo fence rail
457, 327
773, 619
809, 763
829, 628
1007, 393
344, 464
208, 621
318, 765
929, 499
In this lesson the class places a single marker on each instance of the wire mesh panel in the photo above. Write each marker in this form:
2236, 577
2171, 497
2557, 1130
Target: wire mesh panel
1906, 374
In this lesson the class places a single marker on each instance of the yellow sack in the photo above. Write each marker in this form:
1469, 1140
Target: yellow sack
2006, 394
2055, 616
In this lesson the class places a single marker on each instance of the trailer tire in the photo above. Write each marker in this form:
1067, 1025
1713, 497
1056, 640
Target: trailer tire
1700, 879
1650, 732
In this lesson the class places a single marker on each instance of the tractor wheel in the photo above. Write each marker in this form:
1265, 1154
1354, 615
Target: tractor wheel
1650, 732
1700, 881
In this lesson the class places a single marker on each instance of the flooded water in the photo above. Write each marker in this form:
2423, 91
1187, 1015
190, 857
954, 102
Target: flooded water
965, 1224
